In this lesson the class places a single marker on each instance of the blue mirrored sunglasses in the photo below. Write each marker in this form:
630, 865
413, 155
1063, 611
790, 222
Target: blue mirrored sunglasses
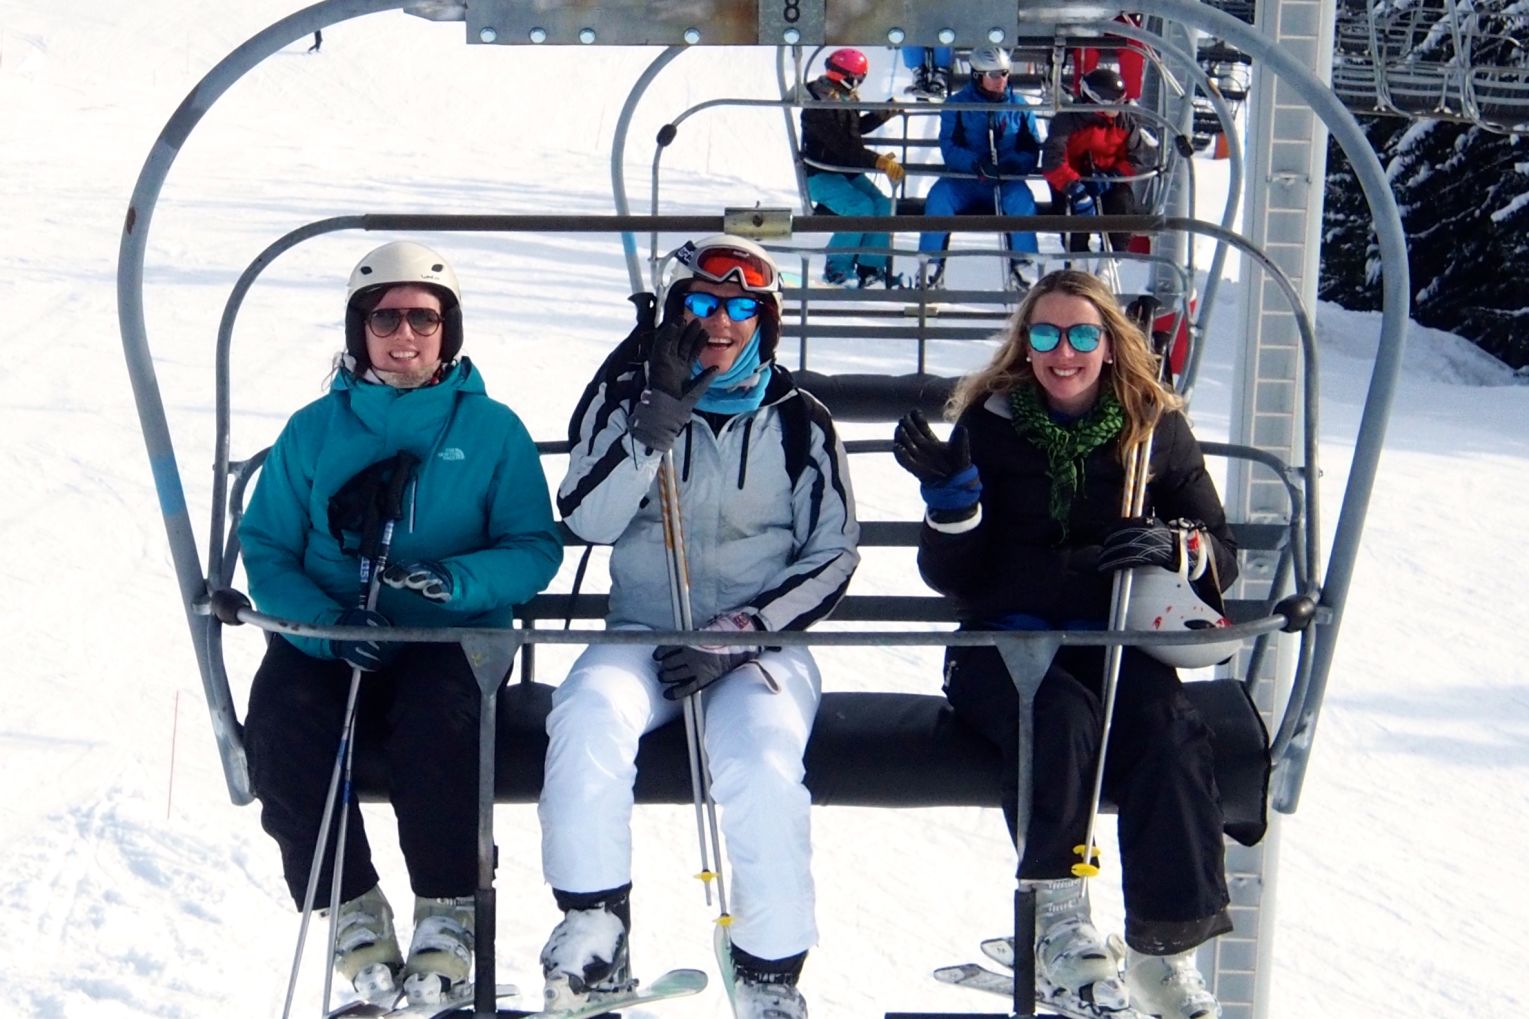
1084, 336
739, 309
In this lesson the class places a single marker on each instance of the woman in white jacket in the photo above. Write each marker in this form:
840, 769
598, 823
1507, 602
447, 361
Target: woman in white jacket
770, 534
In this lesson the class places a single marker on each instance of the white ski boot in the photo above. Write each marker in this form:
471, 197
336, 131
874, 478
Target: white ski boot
1075, 965
441, 951
586, 957
755, 998
366, 947
1169, 986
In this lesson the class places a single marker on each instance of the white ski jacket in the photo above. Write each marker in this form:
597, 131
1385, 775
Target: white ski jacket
755, 540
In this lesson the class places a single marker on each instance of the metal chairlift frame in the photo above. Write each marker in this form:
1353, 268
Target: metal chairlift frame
1317, 612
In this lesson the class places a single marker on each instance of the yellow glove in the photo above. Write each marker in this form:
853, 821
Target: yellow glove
888, 164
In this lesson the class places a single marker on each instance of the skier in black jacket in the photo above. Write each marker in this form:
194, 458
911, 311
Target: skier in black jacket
1023, 530
835, 137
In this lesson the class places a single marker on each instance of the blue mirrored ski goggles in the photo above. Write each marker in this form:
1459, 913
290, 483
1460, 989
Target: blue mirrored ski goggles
1084, 336
739, 309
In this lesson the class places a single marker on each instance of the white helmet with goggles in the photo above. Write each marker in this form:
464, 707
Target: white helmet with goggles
727, 258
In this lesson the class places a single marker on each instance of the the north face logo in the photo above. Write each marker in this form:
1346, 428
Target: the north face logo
451, 453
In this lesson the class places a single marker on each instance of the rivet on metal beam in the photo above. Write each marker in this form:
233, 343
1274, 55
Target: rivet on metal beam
487, 34
586, 36
792, 36
895, 36
538, 35
995, 34
947, 36
692, 36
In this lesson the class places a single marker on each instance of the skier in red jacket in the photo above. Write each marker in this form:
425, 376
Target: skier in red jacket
1088, 149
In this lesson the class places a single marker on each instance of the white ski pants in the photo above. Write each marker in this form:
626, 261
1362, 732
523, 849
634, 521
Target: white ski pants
754, 741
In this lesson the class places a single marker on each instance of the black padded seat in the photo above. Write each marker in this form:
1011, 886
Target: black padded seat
868, 749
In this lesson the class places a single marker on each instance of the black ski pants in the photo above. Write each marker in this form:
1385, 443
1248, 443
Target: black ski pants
1118, 200
424, 709
1158, 772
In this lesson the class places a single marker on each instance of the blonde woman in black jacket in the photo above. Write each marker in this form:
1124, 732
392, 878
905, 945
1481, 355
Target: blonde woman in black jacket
1023, 529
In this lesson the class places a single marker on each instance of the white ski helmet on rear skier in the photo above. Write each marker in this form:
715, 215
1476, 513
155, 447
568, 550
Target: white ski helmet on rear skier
394, 263
728, 258
989, 58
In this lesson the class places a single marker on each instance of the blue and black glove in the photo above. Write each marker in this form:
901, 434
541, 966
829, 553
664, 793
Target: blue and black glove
366, 655
427, 578
686, 670
1080, 198
948, 480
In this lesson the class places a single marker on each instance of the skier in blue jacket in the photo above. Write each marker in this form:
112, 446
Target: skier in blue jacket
997, 148
476, 538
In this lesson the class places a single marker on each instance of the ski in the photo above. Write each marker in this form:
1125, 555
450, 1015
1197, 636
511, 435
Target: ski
723, 946
1056, 999
452, 1000
677, 983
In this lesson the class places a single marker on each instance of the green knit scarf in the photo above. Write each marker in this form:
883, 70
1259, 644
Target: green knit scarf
1066, 446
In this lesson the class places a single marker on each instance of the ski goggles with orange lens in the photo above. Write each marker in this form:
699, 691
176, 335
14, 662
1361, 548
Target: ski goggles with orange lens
739, 309
723, 264
1083, 336
385, 321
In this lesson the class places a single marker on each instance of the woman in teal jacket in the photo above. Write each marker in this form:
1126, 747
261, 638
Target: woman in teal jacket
475, 538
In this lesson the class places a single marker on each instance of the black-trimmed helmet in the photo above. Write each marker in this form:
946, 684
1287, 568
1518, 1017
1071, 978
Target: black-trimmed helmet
1103, 85
394, 263
989, 58
728, 258
847, 66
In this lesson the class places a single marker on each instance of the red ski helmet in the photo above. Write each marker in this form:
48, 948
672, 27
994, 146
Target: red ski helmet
847, 66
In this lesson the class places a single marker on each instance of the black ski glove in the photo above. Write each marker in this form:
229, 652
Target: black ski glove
664, 408
427, 578
1139, 541
686, 670
675, 347
366, 655
948, 480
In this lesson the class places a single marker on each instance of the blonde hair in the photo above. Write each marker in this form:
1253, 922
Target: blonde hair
1133, 374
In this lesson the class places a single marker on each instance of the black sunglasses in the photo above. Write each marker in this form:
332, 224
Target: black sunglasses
385, 321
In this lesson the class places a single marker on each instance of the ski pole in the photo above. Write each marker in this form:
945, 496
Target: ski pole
992, 150
1132, 504
695, 732
373, 560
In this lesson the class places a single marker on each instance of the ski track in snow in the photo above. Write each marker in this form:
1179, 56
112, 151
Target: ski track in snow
123, 897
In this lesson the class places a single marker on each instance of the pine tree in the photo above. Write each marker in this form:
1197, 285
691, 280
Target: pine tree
1463, 193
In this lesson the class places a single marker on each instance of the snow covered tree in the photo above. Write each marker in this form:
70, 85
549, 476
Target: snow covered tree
1463, 192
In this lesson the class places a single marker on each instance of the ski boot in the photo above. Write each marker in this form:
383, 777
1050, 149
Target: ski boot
766, 989
1017, 281
929, 84
366, 947
1074, 964
872, 277
441, 952
935, 276
586, 955
836, 277
1169, 986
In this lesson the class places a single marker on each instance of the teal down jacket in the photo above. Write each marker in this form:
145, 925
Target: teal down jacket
478, 505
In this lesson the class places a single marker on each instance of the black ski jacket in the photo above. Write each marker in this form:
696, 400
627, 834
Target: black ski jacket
1015, 559
836, 137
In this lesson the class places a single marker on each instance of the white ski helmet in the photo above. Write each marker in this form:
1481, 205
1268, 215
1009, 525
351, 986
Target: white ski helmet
402, 262
728, 258
1165, 601
989, 58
